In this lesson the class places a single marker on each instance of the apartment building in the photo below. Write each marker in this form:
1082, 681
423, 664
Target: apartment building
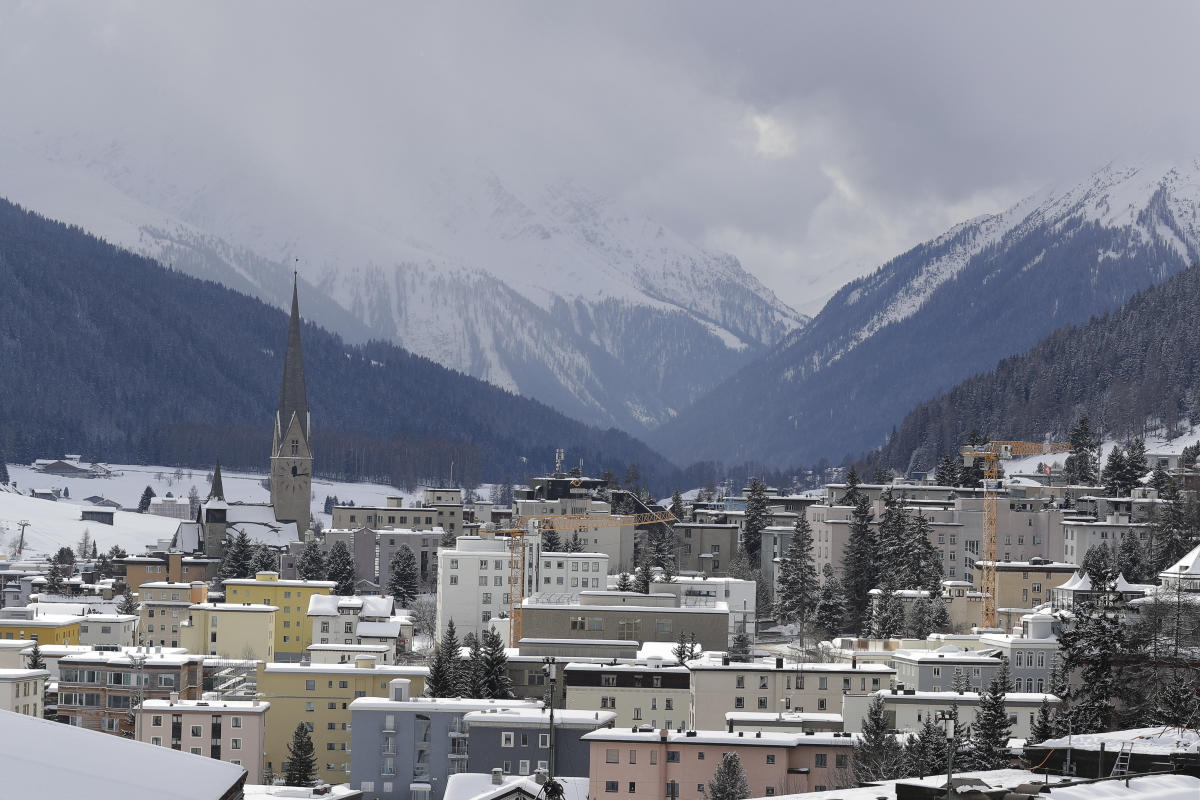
233, 731
407, 747
361, 544
1030, 651
169, 566
624, 615
19, 622
720, 685
359, 620
293, 634
705, 548
21, 690
445, 515
517, 740
591, 520
424, 545
319, 695
474, 581
655, 693
163, 607
1081, 534
937, 670
97, 690
230, 630
1026, 584
647, 765
695, 591
109, 631
907, 709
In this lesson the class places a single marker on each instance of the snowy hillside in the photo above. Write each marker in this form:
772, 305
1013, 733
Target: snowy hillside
550, 291
54, 524
947, 309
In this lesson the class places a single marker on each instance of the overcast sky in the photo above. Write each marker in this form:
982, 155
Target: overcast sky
811, 140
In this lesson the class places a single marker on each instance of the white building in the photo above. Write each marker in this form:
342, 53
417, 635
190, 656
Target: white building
109, 631
174, 507
706, 592
348, 621
908, 709
21, 690
571, 573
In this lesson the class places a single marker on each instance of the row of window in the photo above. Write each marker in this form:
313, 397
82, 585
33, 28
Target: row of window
508, 739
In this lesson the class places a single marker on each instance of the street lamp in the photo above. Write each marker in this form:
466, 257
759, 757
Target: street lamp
550, 670
951, 743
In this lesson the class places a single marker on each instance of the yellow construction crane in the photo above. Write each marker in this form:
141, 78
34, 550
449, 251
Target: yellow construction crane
992, 453
557, 522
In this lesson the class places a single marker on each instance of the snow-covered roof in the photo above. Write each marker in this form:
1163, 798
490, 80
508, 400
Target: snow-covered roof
1188, 566
323, 605
103, 765
377, 606
1148, 787
479, 786
534, 715
1159, 741
350, 669
962, 697
241, 706
389, 629
751, 738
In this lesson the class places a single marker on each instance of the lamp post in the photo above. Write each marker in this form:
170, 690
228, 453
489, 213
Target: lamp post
951, 743
550, 670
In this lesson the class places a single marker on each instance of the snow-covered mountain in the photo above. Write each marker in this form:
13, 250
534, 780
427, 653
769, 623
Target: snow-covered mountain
988, 288
549, 291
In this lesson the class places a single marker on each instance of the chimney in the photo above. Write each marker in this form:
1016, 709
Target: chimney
398, 689
778, 662
497, 776
364, 662
540, 776
174, 696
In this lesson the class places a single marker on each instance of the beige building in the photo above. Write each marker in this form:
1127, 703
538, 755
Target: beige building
109, 630
1026, 584
293, 633
775, 685
319, 695
230, 630
655, 693
21, 690
164, 607
705, 547
908, 709
227, 730
628, 616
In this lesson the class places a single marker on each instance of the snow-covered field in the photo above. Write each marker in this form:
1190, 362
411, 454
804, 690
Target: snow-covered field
54, 524
1154, 445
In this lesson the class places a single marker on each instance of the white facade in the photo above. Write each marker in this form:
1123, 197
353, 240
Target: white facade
108, 631
706, 592
359, 620
21, 691
571, 573
909, 708
473, 582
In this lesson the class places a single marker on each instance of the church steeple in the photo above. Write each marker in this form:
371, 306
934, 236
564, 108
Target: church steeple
293, 398
217, 492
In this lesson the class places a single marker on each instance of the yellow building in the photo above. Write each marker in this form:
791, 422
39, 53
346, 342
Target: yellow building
319, 696
293, 634
44, 629
230, 630
1026, 584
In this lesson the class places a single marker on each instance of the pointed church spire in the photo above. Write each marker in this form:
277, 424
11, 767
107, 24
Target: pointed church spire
292, 397
217, 492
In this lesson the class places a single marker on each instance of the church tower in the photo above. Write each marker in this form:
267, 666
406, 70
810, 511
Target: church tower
291, 454
214, 517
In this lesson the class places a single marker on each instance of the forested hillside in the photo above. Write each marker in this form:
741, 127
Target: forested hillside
1131, 367
107, 354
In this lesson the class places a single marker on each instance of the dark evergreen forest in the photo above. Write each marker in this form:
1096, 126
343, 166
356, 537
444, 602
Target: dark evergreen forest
110, 355
1128, 369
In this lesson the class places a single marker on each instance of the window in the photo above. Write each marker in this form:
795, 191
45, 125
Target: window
612, 756
740, 682
235, 744
762, 703
633, 756
608, 680
156, 721
739, 702
841, 761
700, 756
506, 739
637, 713
610, 786
524, 767
762, 681
310, 686
544, 740
632, 787
672, 756
196, 730
310, 706
820, 760
156, 740
454, 580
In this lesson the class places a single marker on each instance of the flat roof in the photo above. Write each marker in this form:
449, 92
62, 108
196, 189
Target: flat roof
349, 669
536, 715
241, 706
754, 739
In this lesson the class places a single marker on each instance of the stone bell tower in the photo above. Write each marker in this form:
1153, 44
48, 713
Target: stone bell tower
291, 453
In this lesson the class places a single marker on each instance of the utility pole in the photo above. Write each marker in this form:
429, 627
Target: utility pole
951, 744
550, 670
23, 524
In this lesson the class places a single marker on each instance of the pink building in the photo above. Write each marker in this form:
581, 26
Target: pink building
233, 731
650, 765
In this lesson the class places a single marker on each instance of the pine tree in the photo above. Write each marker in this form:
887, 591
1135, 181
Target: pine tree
1043, 724
891, 544
926, 752
574, 544
991, 730
34, 660
494, 668
54, 576
263, 560
644, 573
447, 541
756, 520
83, 548
877, 754
798, 589
919, 619
1100, 565
853, 493
1135, 464
550, 540
302, 760
1081, 466
1177, 703
939, 615
729, 781
831, 603
947, 471
1132, 561
676, 508
685, 648
624, 583
1114, 473
742, 644
311, 564
471, 673
144, 503
887, 615
444, 676
127, 605
403, 581
341, 568
1160, 481
95, 550
236, 563
923, 559
860, 563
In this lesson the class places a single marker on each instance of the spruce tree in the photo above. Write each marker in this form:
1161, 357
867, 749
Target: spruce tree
445, 679
34, 660
644, 573
550, 541
470, 674
341, 569
891, 545
831, 603
685, 648
95, 550
798, 586
1114, 473
495, 680
144, 503
676, 507
877, 754
742, 644
54, 576
311, 564
127, 605
1082, 464
83, 548
4, 479
448, 540
1177, 704
263, 560
302, 760
926, 752
236, 563
939, 615
1132, 561
729, 781
991, 730
887, 615
1135, 464
757, 519
624, 583
852, 493
860, 565
404, 578
947, 471
924, 562
1043, 724
919, 619
574, 544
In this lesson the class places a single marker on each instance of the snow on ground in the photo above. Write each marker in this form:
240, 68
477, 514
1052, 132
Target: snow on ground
1154, 444
54, 524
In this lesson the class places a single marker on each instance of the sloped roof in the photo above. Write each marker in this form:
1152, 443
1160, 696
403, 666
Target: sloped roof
1189, 565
